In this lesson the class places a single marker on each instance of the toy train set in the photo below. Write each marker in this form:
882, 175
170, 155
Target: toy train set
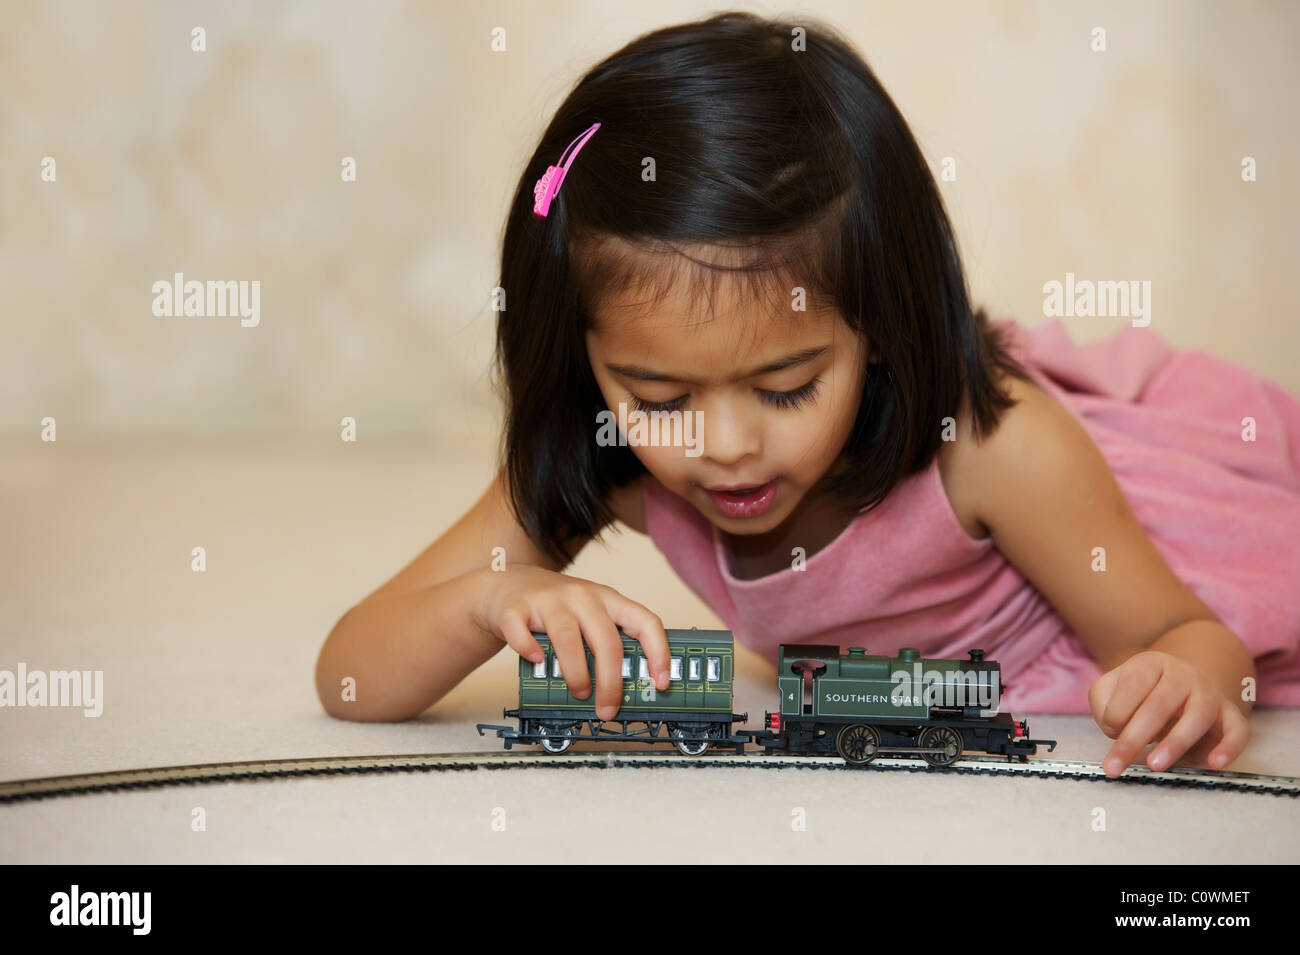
854, 705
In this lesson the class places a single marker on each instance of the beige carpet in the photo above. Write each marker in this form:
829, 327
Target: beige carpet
215, 666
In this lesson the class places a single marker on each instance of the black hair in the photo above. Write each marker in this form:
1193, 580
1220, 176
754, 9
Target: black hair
800, 165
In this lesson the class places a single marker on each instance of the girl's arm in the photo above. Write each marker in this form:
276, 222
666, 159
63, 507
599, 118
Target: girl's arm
391, 657
416, 637
1049, 499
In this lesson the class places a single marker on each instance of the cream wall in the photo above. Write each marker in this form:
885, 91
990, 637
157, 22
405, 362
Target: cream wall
374, 295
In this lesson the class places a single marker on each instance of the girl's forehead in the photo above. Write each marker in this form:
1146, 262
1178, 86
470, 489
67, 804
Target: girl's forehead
727, 347
667, 324
734, 306
629, 287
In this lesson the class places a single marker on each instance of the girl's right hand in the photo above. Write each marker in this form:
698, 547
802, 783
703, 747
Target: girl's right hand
568, 609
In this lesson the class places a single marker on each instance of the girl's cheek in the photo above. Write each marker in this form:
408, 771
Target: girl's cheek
667, 464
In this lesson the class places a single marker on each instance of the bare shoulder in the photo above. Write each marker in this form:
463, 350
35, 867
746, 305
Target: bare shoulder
970, 467
1035, 440
1034, 415
628, 504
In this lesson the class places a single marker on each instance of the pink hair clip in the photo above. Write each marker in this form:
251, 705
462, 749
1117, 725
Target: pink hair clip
548, 186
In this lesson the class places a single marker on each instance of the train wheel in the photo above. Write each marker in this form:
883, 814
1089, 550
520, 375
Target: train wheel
691, 747
556, 738
858, 744
945, 738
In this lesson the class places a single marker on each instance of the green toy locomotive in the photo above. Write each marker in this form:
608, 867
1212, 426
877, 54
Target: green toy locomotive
851, 704
860, 706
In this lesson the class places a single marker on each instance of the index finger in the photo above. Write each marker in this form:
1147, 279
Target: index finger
1135, 681
647, 629
1154, 713
607, 651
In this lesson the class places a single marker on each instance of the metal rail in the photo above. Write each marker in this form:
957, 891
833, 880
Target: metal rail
88, 783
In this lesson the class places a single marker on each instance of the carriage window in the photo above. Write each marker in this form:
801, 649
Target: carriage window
539, 670
555, 667
715, 669
693, 668
675, 668
643, 668
627, 668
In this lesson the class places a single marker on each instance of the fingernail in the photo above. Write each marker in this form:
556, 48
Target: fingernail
1220, 761
1157, 761
1112, 766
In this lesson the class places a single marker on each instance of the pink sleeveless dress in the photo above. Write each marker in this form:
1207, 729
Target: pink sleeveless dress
1224, 513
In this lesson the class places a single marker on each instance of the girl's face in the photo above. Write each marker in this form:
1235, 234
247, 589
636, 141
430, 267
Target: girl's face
773, 399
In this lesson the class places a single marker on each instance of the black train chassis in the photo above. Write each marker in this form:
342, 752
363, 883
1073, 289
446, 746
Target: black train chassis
938, 742
859, 740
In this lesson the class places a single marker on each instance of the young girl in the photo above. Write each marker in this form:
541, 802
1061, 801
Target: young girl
747, 233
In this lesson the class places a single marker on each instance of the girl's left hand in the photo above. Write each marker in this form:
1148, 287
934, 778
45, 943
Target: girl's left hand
1154, 695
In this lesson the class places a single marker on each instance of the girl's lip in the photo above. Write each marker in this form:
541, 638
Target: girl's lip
744, 505
737, 487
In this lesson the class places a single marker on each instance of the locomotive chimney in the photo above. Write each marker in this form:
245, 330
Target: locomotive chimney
976, 656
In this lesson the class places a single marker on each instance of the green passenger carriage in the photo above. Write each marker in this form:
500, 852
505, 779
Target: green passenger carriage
693, 713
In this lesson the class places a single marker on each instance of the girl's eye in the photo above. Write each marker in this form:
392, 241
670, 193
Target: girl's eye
791, 399
640, 404
786, 400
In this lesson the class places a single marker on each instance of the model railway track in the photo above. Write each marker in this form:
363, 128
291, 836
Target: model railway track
88, 783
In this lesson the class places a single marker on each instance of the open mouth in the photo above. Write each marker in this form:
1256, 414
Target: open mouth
744, 502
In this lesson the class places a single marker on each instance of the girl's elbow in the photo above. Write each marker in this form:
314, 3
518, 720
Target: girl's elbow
339, 699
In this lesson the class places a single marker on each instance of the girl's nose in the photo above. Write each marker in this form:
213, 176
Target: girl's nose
729, 435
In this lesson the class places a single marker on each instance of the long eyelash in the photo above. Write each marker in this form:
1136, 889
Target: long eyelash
790, 400
786, 400
640, 404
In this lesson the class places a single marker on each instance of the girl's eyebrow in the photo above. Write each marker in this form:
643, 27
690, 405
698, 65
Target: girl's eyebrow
641, 373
